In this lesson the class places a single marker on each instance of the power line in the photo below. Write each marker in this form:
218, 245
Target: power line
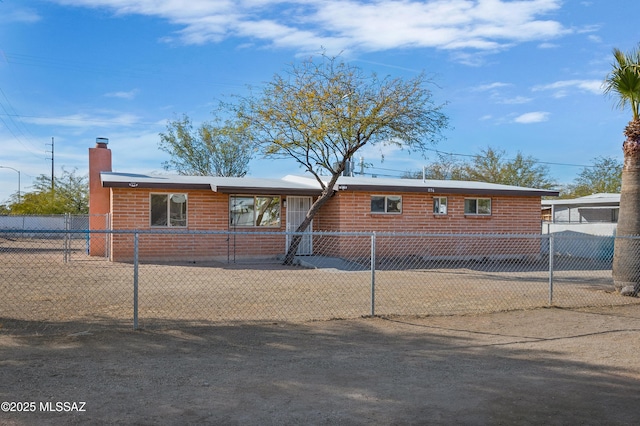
14, 125
402, 172
31, 138
535, 161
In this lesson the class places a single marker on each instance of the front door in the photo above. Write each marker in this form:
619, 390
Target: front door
297, 208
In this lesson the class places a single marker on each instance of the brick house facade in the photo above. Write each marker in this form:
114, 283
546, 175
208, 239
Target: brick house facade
267, 208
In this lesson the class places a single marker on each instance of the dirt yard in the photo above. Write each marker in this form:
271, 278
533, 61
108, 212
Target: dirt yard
544, 366
36, 284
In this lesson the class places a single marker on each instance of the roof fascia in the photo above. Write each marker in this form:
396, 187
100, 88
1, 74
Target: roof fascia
437, 190
156, 185
265, 191
219, 188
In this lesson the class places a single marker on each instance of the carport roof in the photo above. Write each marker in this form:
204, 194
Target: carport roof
600, 199
305, 185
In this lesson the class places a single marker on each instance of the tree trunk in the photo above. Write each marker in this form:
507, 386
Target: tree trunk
296, 240
626, 256
315, 207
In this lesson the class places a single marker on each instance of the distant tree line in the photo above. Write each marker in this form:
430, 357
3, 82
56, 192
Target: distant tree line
68, 194
492, 165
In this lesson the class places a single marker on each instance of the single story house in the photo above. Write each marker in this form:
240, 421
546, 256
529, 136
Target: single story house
271, 207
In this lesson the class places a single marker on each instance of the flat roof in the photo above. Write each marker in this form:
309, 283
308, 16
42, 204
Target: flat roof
602, 199
427, 186
213, 183
308, 185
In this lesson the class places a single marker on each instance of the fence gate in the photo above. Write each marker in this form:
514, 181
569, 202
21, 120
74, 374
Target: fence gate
297, 208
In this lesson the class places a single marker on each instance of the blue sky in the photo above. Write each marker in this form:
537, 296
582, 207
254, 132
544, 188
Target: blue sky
522, 76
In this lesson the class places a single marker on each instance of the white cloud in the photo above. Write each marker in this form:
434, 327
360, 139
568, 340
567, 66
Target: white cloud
380, 151
491, 86
84, 120
532, 117
517, 100
123, 95
137, 150
595, 38
337, 25
498, 97
475, 59
22, 16
561, 88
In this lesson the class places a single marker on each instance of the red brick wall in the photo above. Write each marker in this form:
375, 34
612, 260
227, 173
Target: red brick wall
347, 211
350, 211
206, 211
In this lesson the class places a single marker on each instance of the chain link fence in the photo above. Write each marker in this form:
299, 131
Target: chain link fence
48, 275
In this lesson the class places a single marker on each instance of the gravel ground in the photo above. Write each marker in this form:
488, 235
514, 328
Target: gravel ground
36, 284
264, 344
542, 366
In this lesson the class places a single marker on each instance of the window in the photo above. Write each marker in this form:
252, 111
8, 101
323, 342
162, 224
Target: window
386, 204
247, 210
439, 205
169, 210
477, 206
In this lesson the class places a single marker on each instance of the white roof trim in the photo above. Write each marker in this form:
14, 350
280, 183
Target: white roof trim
589, 200
295, 183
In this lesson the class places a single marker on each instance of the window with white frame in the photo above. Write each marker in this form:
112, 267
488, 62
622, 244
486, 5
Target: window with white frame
391, 204
249, 210
168, 210
477, 206
439, 205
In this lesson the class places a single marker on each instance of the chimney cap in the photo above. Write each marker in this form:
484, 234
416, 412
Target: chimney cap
102, 140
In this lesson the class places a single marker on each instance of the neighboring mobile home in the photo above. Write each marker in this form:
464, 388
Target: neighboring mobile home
587, 224
272, 206
595, 208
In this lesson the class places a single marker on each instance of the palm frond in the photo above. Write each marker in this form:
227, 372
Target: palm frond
623, 81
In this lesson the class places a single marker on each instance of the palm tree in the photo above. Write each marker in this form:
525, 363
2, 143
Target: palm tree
624, 82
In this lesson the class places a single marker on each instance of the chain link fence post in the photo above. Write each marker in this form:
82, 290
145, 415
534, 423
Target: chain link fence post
66, 241
373, 274
551, 266
135, 281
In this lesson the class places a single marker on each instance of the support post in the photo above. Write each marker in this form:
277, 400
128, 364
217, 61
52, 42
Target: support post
373, 274
135, 281
67, 238
552, 251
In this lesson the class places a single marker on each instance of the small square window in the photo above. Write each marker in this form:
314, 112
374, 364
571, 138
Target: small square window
168, 210
440, 205
386, 204
394, 204
252, 211
377, 204
477, 206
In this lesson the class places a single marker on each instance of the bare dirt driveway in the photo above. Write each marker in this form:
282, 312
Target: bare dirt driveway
544, 366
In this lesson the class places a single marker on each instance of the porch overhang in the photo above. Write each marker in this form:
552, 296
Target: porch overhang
258, 190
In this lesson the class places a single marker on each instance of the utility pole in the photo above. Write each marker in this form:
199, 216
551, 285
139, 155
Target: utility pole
52, 165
